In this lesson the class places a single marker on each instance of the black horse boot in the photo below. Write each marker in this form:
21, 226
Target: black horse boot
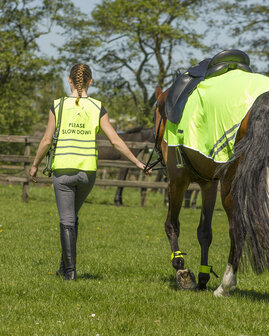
61, 270
68, 241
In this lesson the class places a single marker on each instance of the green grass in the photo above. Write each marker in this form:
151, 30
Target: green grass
126, 285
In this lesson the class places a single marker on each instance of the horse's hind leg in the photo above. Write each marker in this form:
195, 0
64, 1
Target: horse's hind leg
204, 231
229, 279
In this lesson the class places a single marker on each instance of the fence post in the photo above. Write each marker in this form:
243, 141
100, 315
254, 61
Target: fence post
25, 187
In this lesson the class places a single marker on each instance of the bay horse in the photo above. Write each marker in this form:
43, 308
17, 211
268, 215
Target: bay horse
244, 183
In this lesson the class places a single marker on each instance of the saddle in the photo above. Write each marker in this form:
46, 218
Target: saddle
185, 83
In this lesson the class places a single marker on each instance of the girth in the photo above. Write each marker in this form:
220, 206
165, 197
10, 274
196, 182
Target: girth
187, 82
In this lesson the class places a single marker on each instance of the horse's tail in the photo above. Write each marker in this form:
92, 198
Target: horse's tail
250, 188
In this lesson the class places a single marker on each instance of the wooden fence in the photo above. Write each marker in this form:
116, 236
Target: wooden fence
22, 163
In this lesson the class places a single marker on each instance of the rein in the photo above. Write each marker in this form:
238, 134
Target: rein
149, 165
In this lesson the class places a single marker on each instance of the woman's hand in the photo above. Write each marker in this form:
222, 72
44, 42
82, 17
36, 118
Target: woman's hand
33, 172
142, 166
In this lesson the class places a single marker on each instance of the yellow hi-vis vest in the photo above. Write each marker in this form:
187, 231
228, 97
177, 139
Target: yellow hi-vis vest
76, 146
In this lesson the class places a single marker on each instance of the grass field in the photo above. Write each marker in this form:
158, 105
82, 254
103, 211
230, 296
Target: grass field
126, 285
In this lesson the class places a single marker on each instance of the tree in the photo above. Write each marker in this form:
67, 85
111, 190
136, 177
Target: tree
248, 24
24, 72
132, 45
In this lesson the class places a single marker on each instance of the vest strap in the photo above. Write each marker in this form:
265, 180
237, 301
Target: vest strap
49, 157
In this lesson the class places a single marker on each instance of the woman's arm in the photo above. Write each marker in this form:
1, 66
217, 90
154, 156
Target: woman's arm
44, 146
117, 142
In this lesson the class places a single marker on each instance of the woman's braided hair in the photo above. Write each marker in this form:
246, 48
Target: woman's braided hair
80, 75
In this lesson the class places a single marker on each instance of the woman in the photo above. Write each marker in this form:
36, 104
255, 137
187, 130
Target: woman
75, 161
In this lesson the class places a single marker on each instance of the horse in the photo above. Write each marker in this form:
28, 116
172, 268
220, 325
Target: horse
244, 185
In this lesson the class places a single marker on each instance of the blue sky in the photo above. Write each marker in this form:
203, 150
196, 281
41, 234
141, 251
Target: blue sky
87, 6
45, 41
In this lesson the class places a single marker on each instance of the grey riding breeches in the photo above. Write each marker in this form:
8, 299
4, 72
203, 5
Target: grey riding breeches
71, 190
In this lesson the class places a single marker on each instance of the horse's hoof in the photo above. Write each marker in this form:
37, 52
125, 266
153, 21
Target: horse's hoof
186, 279
220, 292
201, 287
203, 279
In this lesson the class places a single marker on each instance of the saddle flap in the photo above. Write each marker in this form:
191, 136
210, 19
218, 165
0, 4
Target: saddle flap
182, 88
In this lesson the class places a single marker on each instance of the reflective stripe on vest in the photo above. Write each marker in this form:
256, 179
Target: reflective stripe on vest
76, 147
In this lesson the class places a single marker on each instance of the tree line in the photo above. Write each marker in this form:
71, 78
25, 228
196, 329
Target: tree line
131, 47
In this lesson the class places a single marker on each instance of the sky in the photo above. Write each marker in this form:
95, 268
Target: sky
45, 41
87, 6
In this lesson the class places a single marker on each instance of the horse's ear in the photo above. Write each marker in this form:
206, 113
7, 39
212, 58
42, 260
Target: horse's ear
158, 91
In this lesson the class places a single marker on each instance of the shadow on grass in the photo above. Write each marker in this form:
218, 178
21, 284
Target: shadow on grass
171, 281
251, 295
94, 201
112, 204
246, 294
88, 276
219, 210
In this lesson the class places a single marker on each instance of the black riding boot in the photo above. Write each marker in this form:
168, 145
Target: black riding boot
61, 270
68, 241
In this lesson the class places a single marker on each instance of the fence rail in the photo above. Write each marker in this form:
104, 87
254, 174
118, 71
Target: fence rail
25, 160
